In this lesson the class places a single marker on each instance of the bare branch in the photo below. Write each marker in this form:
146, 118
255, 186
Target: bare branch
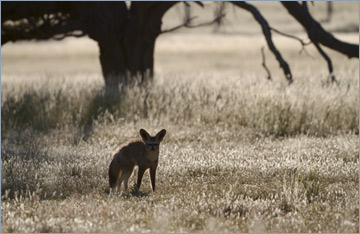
219, 11
267, 33
264, 65
303, 44
187, 23
217, 19
328, 60
197, 2
290, 36
186, 4
321, 51
319, 33
329, 12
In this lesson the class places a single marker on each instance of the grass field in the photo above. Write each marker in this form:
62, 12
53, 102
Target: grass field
241, 154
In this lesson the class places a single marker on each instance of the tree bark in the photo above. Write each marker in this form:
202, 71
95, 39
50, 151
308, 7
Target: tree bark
104, 22
143, 28
126, 39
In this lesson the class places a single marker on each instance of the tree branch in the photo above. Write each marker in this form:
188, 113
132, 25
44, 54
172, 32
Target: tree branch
264, 65
267, 33
328, 60
42, 32
187, 23
321, 51
290, 36
319, 33
303, 44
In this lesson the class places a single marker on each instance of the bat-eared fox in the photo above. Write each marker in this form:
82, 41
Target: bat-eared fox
143, 153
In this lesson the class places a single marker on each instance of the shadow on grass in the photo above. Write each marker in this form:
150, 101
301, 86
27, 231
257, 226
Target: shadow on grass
43, 110
133, 192
39, 111
25, 156
105, 101
111, 103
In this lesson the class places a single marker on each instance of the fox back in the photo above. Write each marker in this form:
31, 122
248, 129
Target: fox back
143, 153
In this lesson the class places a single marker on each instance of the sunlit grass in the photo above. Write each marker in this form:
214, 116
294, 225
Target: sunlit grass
270, 108
299, 184
241, 155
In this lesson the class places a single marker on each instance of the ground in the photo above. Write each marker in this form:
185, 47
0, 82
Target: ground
241, 154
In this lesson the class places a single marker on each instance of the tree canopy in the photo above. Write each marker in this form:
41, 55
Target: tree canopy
126, 33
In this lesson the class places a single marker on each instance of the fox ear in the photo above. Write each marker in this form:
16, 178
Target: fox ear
160, 136
144, 135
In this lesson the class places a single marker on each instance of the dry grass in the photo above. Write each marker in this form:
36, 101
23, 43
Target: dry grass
224, 165
242, 154
210, 181
309, 106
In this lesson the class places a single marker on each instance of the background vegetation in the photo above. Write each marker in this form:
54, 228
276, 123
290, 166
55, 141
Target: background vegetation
242, 154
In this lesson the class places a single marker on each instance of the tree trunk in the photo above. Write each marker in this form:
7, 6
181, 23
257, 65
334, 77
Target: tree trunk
127, 40
127, 60
113, 62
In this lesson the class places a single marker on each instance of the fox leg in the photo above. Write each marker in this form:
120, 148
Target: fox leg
112, 181
126, 179
140, 176
152, 177
113, 177
121, 177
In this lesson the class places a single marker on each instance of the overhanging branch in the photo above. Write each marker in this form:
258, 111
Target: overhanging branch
187, 23
319, 33
290, 36
318, 47
267, 33
41, 32
264, 64
303, 44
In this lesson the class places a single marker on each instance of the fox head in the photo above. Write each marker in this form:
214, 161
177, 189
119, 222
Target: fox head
152, 143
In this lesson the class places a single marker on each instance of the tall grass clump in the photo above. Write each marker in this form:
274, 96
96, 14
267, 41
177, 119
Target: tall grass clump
270, 108
46, 106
